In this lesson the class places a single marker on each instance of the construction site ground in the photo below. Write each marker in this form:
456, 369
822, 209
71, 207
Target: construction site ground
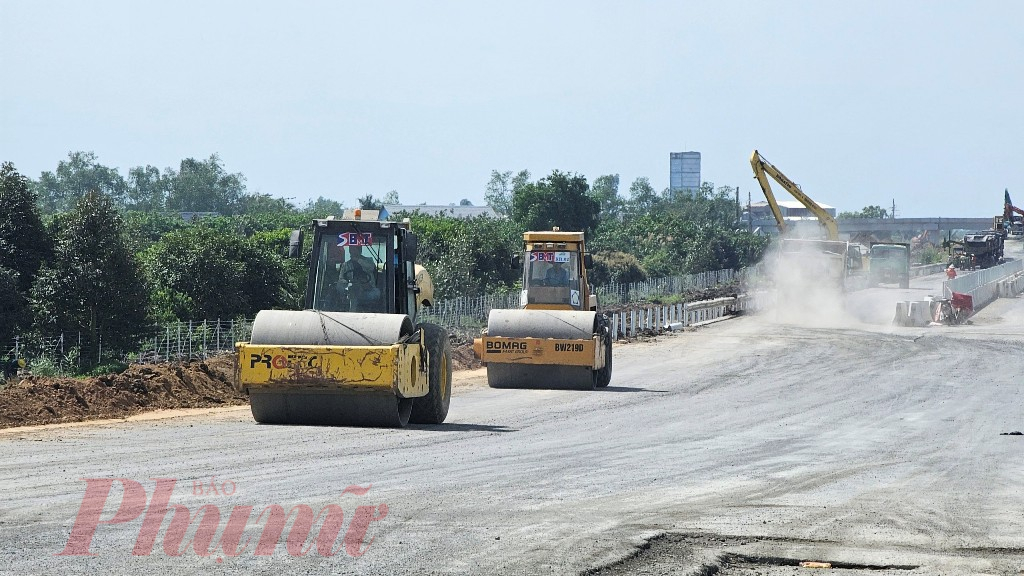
816, 433
31, 400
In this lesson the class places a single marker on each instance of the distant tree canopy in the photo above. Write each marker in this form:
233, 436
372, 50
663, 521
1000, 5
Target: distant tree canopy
80, 174
866, 212
204, 186
606, 192
501, 187
83, 250
196, 186
559, 199
200, 272
368, 202
24, 243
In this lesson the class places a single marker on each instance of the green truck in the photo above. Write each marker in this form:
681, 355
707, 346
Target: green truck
889, 263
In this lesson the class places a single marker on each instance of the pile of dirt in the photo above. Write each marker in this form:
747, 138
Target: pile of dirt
463, 357
33, 400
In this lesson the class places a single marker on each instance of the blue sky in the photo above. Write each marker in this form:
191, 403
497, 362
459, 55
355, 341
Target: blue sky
860, 103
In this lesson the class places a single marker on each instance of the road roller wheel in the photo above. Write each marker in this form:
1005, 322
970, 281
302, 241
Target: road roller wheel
603, 376
328, 407
433, 408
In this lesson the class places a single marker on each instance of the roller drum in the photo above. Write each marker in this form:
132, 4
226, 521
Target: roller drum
334, 407
313, 328
562, 324
558, 324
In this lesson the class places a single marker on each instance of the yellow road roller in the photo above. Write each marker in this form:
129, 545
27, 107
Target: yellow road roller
558, 339
356, 355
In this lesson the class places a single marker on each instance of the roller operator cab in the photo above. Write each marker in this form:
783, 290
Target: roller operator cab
555, 272
557, 339
357, 354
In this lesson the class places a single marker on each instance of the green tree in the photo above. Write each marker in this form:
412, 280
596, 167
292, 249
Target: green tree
368, 202
202, 273
708, 205
391, 198
94, 286
502, 187
24, 243
74, 178
560, 199
205, 186
642, 197
467, 256
614, 267
148, 189
322, 208
15, 315
143, 229
606, 191
680, 238
264, 204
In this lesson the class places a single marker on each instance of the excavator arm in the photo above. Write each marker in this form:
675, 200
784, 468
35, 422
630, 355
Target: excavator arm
763, 169
1008, 208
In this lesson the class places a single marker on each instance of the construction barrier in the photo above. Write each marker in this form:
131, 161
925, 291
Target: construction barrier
983, 285
1012, 286
926, 270
977, 288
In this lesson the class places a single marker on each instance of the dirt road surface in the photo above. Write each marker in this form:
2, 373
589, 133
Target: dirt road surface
744, 447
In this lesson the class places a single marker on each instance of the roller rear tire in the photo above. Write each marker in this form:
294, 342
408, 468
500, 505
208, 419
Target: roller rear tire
433, 408
603, 376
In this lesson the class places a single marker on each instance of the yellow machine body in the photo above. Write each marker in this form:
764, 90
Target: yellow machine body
356, 354
557, 338
399, 369
540, 351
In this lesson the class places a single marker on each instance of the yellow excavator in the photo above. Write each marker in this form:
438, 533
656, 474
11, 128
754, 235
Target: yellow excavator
763, 169
558, 339
356, 355
832, 261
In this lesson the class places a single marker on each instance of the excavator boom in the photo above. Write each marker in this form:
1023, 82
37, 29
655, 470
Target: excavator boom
763, 169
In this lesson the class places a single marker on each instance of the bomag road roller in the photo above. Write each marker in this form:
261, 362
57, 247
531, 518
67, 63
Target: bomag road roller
356, 355
558, 340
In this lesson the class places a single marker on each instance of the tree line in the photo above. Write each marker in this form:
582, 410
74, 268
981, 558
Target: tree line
85, 251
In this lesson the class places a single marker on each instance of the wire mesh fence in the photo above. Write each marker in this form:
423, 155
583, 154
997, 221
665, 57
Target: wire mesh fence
468, 315
178, 341
62, 354
640, 291
194, 340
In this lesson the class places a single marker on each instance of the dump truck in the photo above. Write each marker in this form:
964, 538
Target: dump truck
557, 339
984, 248
831, 264
889, 263
357, 354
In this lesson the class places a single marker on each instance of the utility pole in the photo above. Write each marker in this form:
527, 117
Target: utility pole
893, 209
737, 204
750, 216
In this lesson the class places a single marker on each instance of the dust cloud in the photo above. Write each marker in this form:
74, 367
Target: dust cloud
809, 288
